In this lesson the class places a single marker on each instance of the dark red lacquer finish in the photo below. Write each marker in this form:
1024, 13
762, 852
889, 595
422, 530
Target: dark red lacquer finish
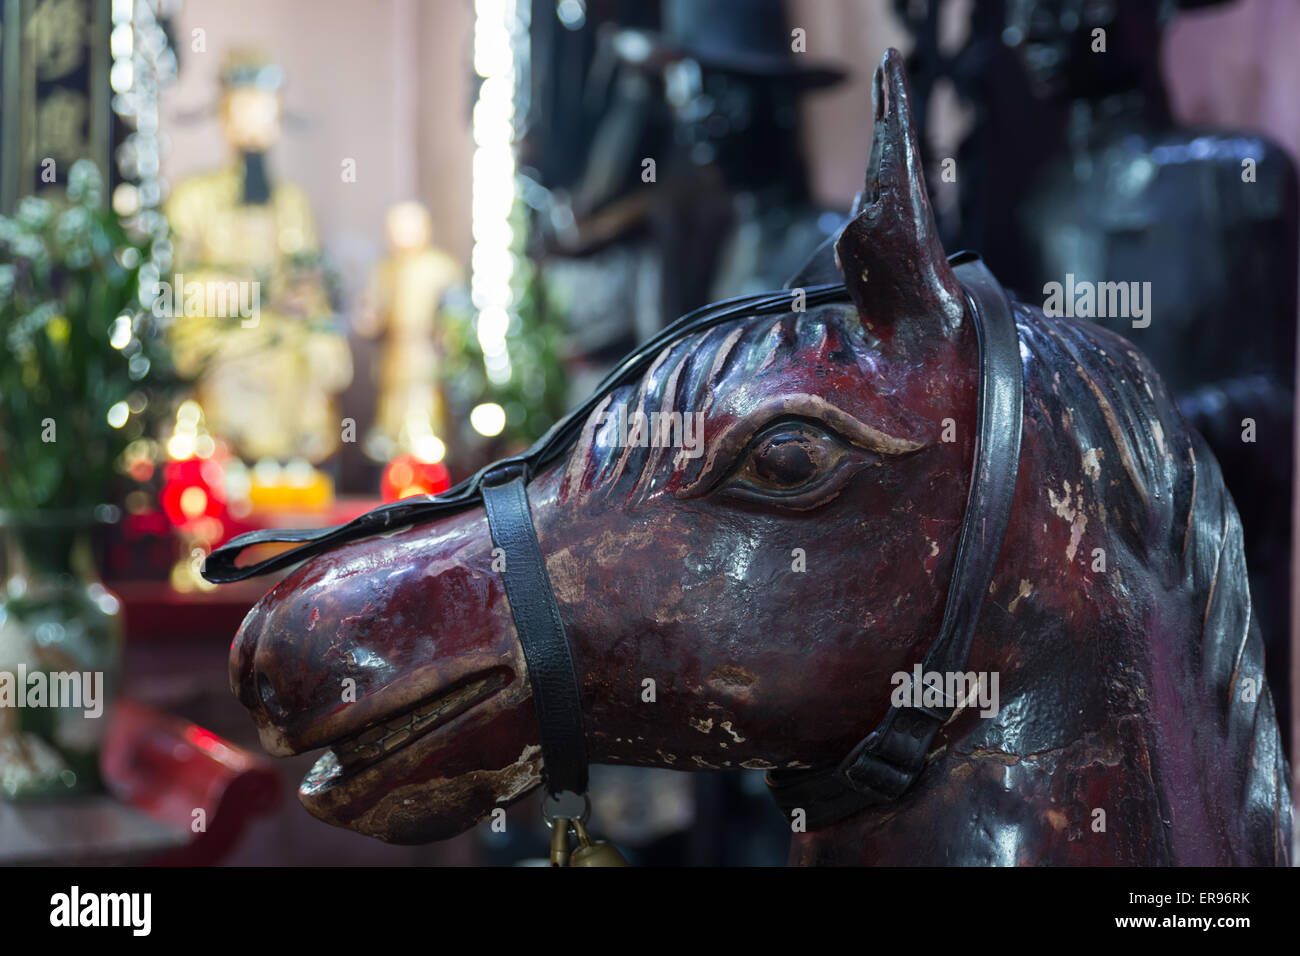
771, 585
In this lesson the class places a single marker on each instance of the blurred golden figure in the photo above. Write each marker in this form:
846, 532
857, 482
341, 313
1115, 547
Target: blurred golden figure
402, 303
252, 311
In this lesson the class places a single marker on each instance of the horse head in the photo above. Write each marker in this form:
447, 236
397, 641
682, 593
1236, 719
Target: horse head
750, 541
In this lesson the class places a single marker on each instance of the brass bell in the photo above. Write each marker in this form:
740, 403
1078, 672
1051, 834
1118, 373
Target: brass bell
560, 842
592, 853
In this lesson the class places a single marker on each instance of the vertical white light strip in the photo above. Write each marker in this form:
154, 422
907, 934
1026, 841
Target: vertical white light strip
143, 62
492, 264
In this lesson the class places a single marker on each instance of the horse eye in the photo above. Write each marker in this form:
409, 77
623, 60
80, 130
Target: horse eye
791, 462
786, 459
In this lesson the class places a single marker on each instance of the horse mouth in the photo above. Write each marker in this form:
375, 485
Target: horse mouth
382, 739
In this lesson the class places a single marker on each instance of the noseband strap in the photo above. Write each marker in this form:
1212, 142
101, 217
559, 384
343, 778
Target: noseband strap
882, 767
541, 632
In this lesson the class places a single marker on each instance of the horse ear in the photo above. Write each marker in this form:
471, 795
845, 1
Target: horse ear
889, 254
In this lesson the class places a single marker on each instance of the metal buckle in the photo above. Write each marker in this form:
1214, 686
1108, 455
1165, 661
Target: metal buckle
867, 771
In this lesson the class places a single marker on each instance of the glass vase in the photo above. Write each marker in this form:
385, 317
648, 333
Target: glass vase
60, 656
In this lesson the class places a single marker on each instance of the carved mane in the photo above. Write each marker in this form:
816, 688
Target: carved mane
1174, 537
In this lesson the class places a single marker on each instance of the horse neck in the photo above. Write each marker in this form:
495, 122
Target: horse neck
980, 805
1111, 789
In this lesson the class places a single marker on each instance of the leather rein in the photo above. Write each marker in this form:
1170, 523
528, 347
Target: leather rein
885, 763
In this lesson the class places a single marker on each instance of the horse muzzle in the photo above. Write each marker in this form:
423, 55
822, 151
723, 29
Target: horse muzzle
401, 663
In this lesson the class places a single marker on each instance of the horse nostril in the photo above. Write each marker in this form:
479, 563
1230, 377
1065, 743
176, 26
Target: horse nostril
266, 693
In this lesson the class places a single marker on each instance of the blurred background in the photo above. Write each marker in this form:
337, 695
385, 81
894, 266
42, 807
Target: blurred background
269, 263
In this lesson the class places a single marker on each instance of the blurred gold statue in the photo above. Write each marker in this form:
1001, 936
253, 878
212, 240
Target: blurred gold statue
402, 303
253, 316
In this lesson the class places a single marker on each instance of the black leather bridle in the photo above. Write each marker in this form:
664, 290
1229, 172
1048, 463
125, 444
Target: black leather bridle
884, 764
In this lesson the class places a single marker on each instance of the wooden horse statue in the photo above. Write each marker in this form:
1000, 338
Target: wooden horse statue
879, 461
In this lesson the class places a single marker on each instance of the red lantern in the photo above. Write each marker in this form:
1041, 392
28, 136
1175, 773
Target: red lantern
193, 491
407, 476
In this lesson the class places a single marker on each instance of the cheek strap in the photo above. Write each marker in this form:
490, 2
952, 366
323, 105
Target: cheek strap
887, 762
